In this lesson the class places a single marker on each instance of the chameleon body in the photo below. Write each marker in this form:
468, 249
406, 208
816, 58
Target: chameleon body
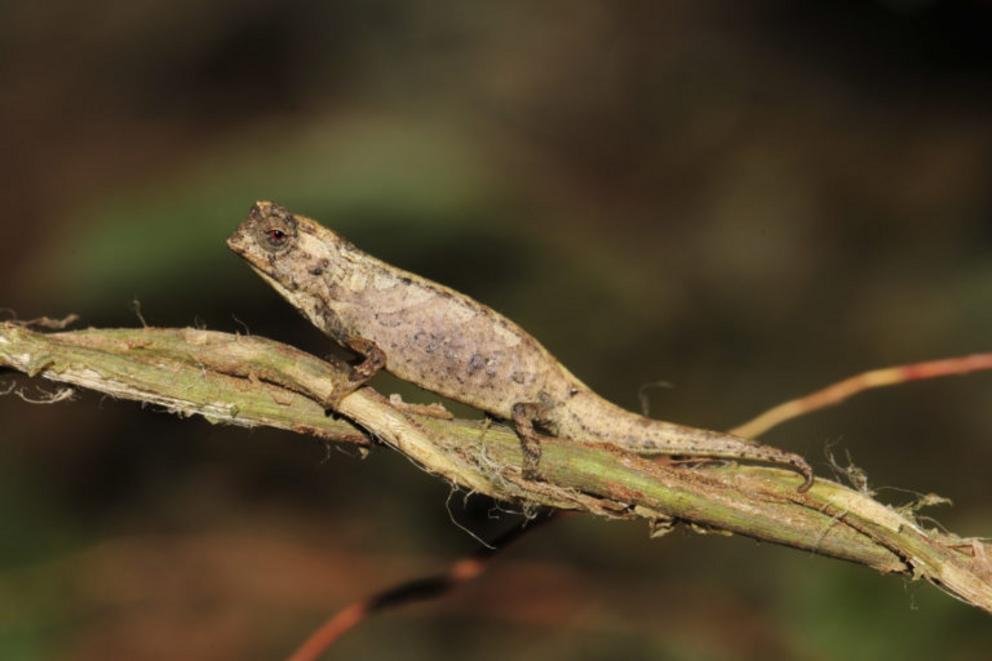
448, 343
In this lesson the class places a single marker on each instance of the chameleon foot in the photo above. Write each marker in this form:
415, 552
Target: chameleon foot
524, 414
374, 359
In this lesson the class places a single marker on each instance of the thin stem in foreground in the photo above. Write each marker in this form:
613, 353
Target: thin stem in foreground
253, 381
418, 589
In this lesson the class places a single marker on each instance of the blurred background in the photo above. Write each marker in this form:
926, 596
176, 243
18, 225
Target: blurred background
746, 200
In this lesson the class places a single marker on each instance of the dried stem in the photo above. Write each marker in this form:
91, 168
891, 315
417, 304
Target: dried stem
253, 381
349, 617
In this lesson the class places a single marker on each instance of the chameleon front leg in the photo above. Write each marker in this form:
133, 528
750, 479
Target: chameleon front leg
524, 415
373, 360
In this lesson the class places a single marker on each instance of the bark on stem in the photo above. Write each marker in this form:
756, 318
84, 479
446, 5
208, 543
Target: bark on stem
253, 381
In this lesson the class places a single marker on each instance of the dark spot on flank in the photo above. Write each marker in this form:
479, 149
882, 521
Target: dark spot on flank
476, 363
573, 391
518, 377
390, 320
424, 340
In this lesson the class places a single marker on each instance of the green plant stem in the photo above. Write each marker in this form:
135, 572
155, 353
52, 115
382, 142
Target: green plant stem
253, 381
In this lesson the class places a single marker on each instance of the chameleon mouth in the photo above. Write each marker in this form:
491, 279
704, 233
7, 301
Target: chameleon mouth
285, 289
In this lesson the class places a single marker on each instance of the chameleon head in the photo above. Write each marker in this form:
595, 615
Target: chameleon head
294, 254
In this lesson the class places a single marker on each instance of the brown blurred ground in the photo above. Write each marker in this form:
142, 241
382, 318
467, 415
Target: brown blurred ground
747, 200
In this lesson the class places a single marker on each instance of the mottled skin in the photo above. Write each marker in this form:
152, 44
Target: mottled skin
445, 342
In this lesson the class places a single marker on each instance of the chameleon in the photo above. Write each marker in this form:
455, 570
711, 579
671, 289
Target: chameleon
448, 343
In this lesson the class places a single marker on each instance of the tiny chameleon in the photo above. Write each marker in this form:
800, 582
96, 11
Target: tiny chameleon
445, 342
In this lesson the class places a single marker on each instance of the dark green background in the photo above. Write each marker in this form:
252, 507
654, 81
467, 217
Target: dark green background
748, 200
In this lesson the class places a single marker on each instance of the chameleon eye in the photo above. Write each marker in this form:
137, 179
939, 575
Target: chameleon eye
275, 236
276, 233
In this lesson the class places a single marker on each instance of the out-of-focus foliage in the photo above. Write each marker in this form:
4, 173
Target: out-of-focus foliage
749, 200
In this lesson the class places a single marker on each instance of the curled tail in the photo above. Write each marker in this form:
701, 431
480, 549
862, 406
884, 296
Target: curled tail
587, 416
690, 441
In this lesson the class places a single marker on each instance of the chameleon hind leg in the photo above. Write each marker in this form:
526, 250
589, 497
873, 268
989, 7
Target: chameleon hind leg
524, 415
